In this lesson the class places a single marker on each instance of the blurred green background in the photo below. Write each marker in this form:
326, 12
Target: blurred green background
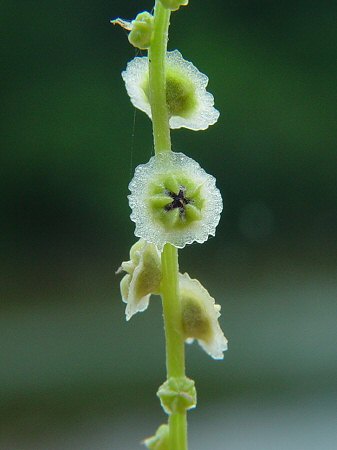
73, 373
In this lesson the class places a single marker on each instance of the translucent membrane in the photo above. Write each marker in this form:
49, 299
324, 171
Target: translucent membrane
143, 277
200, 317
170, 170
199, 117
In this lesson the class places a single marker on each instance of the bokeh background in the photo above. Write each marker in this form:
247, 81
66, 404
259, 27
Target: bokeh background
73, 373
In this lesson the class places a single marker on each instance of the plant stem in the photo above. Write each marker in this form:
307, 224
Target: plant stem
175, 348
175, 345
157, 74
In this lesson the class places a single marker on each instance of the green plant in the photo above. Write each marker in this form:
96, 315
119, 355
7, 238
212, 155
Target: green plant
174, 202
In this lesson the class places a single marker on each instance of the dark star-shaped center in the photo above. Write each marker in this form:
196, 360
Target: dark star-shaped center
178, 200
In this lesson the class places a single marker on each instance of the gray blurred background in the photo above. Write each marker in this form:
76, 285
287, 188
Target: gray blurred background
73, 373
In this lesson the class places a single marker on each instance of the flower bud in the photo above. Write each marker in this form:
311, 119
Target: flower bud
141, 31
177, 395
143, 277
173, 5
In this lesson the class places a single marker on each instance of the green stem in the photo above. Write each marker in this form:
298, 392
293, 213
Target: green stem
175, 348
178, 431
175, 345
157, 75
